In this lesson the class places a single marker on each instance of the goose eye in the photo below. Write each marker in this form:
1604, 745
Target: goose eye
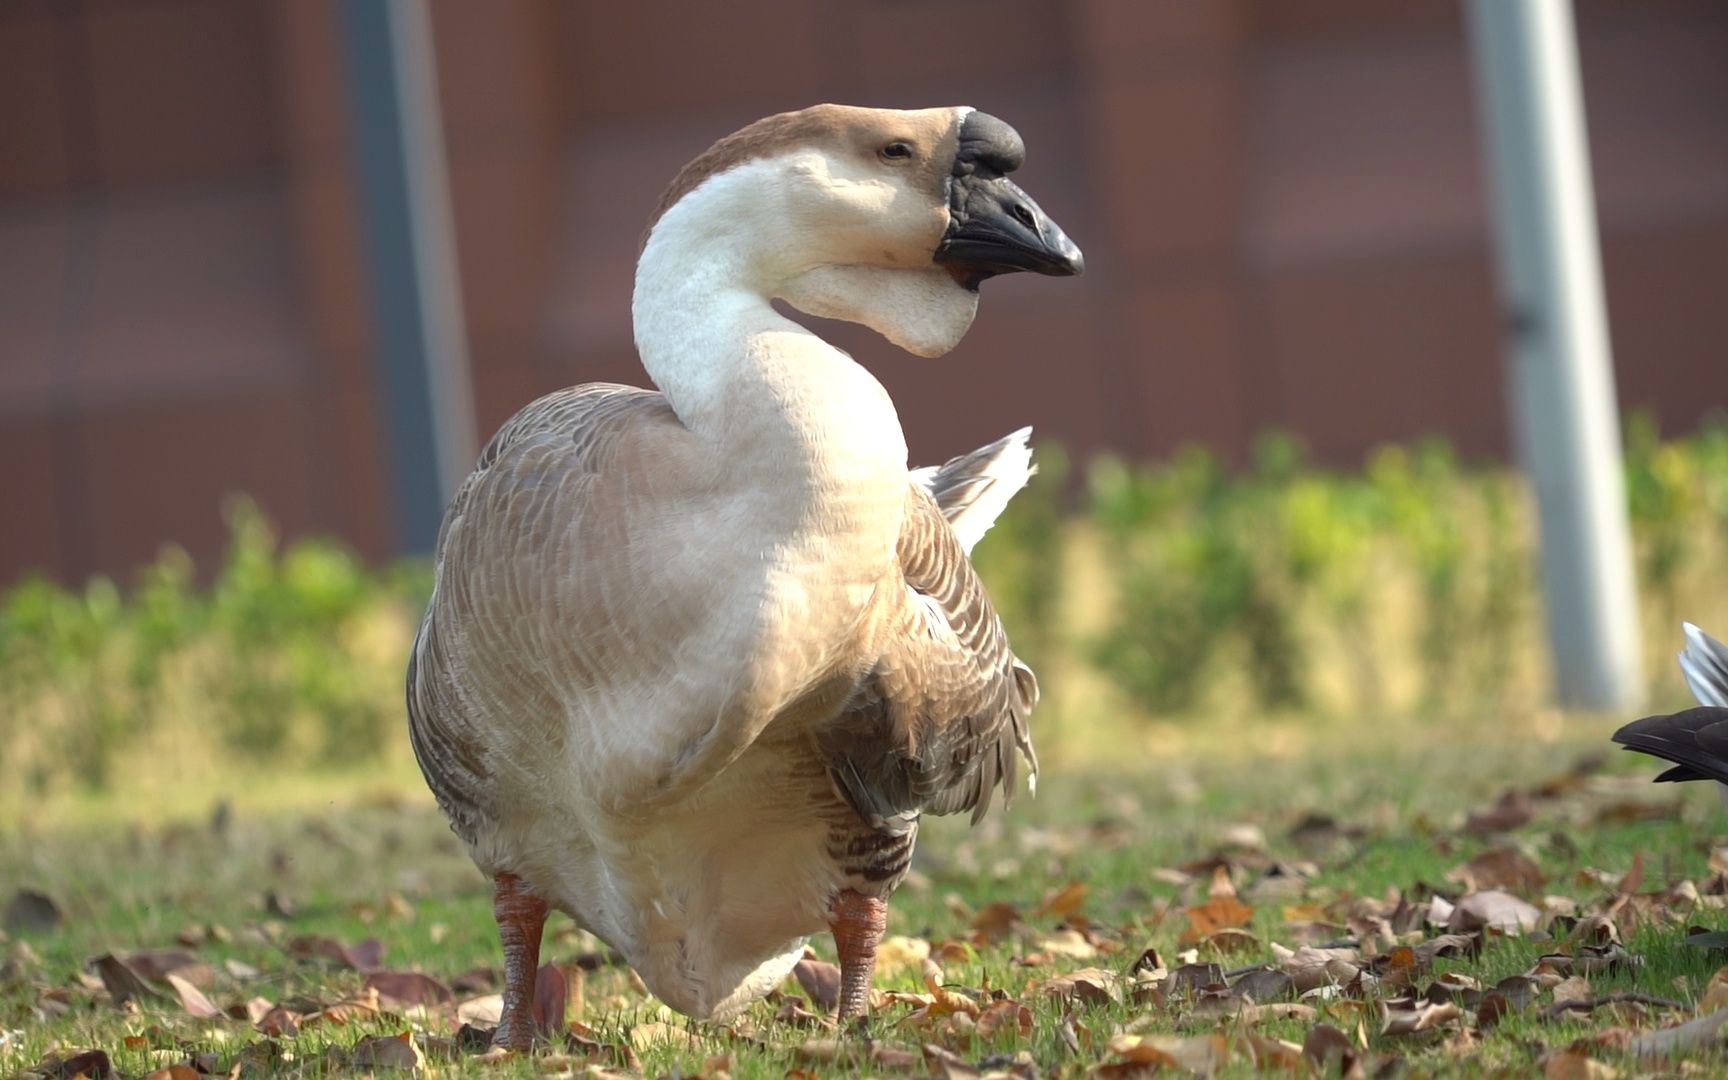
897, 150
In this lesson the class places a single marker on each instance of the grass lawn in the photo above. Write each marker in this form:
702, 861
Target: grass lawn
1210, 845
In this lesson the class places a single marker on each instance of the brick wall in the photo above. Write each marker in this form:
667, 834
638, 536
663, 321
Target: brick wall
1280, 203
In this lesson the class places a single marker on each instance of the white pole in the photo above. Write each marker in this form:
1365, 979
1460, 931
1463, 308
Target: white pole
1561, 377
417, 299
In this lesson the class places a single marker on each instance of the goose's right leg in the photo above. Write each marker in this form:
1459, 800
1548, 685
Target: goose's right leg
521, 918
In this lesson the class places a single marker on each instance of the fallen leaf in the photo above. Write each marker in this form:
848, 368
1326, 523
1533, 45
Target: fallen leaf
820, 980
406, 989
1496, 910
1573, 988
31, 912
1065, 901
1329, 1050
1069, 943
1223, 912
279, 1022
89, 1063
1500, 868
1090, 986
551, 999
1310, 967
995, 922
1005, 1016
366, 956
156, 964
175, 1072
387, 1052
657, 1034
1204, 1054
1408, 1017
193, 1000
1512, 810
1576, 1065
122, 983
899, 952
949, 1065
1716, 992
1268, 1053
1264, 984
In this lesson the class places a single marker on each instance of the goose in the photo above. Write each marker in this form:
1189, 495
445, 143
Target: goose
1695, 740
698, 658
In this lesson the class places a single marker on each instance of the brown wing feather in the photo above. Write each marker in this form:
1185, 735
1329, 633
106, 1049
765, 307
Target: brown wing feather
940, 720
557, 440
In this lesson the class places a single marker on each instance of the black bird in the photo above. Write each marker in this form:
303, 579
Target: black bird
1695, 740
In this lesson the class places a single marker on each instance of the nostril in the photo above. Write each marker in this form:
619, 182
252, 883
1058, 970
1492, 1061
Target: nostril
1024, 216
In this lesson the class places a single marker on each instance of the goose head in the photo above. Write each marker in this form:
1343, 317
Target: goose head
884, 217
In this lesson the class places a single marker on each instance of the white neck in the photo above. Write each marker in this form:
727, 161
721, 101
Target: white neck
733, 368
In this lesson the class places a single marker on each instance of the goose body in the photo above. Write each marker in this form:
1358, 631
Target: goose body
699, 657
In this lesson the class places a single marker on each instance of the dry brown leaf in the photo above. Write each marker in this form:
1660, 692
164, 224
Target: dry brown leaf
820, 981
899, 952
1310, 967
1572, 988
1329, 1049
175, 1072
89, 1063
1069, 943
279, 1022
366, 956
1716, 993
1065, 901
1251, 1014
1576, 1065
1264, 984
1409, 1017
155, 964
655, 1033
994, 922
1268, 1053
1500, 868
1509, 812
406, 989
387, 1052
1203, 1054
1217, 913
1223, 885
1494, 909
949, 1065
121, 982
193, 1000
1089, 986
31, 912
551, 999
483, 1011
1005, 1015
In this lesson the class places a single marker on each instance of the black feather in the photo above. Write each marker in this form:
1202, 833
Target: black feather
1696, 741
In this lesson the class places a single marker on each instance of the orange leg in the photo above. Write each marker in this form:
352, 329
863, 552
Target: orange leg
858, 922
521, 918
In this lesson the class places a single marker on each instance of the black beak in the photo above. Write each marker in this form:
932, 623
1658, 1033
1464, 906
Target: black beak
994, 227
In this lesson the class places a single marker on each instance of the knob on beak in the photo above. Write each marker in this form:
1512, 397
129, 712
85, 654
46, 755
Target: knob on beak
994, 227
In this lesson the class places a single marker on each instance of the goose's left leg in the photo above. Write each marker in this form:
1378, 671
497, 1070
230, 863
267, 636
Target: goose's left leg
521, 919
858, 922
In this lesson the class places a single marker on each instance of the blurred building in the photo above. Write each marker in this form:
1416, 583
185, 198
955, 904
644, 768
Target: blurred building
1281, 204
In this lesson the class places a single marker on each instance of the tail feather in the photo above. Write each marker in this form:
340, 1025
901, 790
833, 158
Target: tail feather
973, 489
1705, 662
